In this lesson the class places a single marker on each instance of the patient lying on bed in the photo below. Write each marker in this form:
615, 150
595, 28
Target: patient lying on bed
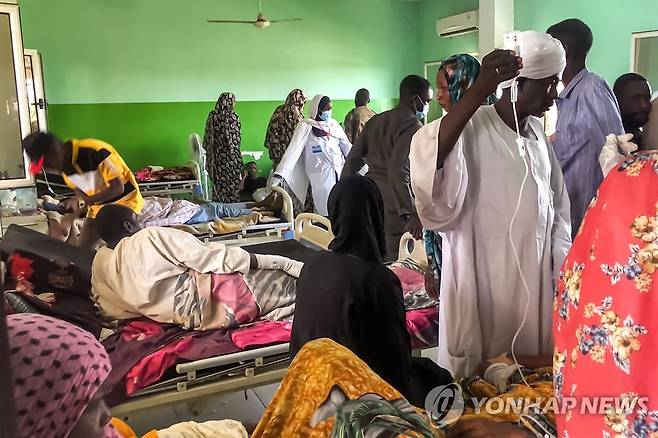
165, 212
169, 276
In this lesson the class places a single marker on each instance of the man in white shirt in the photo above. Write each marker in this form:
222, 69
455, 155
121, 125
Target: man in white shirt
469, 177
166, 274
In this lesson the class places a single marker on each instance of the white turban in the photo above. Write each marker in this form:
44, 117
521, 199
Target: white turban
543, 56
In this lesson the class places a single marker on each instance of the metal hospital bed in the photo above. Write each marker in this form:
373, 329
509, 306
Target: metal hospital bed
241, 370
259, 233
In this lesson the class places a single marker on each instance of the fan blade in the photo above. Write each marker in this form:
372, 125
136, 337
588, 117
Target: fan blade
232, 21
286, 20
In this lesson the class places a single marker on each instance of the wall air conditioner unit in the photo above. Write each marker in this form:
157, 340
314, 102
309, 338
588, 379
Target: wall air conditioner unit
459, 24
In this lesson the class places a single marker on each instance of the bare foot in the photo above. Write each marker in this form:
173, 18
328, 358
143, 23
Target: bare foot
273, 203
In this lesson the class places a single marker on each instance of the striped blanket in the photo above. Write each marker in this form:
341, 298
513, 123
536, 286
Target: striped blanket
274, 292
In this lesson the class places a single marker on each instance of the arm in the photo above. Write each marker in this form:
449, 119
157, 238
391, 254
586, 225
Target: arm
497, 67
348, 126
186, 250
398, 171
112, 191
345, 146
111, 169
355, 159
561, 232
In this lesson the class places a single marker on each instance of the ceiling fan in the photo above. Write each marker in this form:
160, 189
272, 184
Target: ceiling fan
260, 22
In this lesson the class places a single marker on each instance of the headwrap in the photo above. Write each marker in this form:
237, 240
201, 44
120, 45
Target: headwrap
283, 123
318, 102
57, 368
356, 212
460, 72
543, 56
315, 105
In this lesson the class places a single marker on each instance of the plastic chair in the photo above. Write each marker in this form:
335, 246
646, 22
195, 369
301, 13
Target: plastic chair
413, 249
306, 228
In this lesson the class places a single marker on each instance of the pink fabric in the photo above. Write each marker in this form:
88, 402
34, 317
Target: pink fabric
152, 367
423, 326
57, 368
262, 334
140, 330
411, 280
231, 291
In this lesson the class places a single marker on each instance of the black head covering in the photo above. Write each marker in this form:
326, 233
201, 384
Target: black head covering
356, 212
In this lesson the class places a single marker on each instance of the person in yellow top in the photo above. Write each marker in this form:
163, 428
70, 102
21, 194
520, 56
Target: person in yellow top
92, 168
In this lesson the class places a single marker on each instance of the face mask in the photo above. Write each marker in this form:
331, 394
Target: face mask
325, 115
422, 115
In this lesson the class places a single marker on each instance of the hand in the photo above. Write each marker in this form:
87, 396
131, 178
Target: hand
485, 428
415, 227
625, 145
431, 285
83, 196
498, 66
71, 205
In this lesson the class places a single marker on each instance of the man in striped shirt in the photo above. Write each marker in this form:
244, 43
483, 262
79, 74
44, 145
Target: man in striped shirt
587, 113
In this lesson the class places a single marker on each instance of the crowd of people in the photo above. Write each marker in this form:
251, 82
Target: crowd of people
536, 253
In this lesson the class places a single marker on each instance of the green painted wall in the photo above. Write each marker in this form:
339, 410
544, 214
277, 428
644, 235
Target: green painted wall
157, 133
612, 22
435, 48
144, 74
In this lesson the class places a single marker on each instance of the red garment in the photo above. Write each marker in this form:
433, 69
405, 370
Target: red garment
140, 330
152, 367
411, 280
262, 334
605, 325
423, 326
231, 291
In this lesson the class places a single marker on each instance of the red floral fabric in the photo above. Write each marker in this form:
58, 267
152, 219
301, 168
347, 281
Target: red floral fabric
605, 325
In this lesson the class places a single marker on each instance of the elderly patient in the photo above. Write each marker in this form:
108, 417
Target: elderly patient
169, 276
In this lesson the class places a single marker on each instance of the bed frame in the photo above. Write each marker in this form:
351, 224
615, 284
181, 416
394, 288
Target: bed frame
259, 233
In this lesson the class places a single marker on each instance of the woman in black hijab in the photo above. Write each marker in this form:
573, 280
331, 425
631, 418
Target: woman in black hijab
348, 295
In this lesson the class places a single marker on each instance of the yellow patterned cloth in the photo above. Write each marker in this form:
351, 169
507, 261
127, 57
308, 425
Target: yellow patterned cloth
540, 390
319, 368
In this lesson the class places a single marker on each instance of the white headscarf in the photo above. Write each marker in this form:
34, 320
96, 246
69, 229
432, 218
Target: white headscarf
315, 103
543, 56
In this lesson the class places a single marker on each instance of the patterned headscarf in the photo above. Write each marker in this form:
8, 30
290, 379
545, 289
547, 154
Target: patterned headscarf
283, 123
222, 119
57, 368
460, 72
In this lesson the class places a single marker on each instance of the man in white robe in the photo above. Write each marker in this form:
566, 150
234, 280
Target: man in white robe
468, 174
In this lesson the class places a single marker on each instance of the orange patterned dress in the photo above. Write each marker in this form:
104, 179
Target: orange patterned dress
324, 390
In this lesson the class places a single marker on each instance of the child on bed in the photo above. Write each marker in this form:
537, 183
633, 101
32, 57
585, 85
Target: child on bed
169, 276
